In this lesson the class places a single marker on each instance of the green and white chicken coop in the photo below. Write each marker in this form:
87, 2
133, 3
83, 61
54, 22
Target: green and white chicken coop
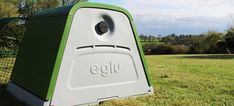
77, 55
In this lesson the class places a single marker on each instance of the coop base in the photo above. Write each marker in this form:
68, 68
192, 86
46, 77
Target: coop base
26, 96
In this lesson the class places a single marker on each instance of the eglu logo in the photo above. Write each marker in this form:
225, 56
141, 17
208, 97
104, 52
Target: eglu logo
104, 69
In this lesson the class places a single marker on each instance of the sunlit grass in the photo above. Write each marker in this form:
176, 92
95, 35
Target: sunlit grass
188, 80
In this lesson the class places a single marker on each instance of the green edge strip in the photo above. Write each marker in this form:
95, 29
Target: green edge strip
66, 33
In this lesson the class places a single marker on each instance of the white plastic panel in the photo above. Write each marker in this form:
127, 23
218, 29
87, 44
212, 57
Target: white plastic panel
99, 67
103, 65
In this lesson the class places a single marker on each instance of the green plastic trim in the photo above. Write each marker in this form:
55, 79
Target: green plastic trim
66, 33
59, 58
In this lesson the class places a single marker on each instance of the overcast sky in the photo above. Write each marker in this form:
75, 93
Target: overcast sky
178, 16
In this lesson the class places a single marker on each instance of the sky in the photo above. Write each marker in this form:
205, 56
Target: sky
163, 17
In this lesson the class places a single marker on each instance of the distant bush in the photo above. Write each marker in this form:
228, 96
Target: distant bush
180, 49
151, 49
195, 50
162, 49
147, 47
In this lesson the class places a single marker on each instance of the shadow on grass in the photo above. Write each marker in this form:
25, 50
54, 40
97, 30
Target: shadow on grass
223, 56
6, 99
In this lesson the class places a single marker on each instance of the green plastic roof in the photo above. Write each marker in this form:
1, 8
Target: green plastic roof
59, 11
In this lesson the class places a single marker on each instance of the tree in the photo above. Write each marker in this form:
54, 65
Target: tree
170, 39
67, 2
45, 4
24, 9
213, 37
8, 9
229, 38
211, 40
28, 7
150, 38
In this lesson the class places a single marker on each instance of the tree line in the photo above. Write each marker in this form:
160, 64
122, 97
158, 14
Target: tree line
15, 14
211, 42
14, 17
23, 8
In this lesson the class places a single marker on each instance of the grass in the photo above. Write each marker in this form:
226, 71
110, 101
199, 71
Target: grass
181, 80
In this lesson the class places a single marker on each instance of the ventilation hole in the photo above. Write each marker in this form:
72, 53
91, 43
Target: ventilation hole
105, 46
83, 47
122, 47
110, 46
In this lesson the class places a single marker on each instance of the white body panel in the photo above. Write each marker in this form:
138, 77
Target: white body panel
99, 67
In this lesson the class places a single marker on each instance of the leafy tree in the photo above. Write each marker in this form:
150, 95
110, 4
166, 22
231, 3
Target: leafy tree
67, 2
8, 9
170, 39
13, 28
45, 4
230, 38
213, 37
211, 40
28, 7
197, 44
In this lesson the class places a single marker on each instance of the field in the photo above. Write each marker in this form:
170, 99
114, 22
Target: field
181, 80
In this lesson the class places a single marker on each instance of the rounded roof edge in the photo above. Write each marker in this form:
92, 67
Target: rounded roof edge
71, 9
100, 6
58, 11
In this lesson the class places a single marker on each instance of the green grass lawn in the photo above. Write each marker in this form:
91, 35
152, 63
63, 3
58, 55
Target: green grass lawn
182, 80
